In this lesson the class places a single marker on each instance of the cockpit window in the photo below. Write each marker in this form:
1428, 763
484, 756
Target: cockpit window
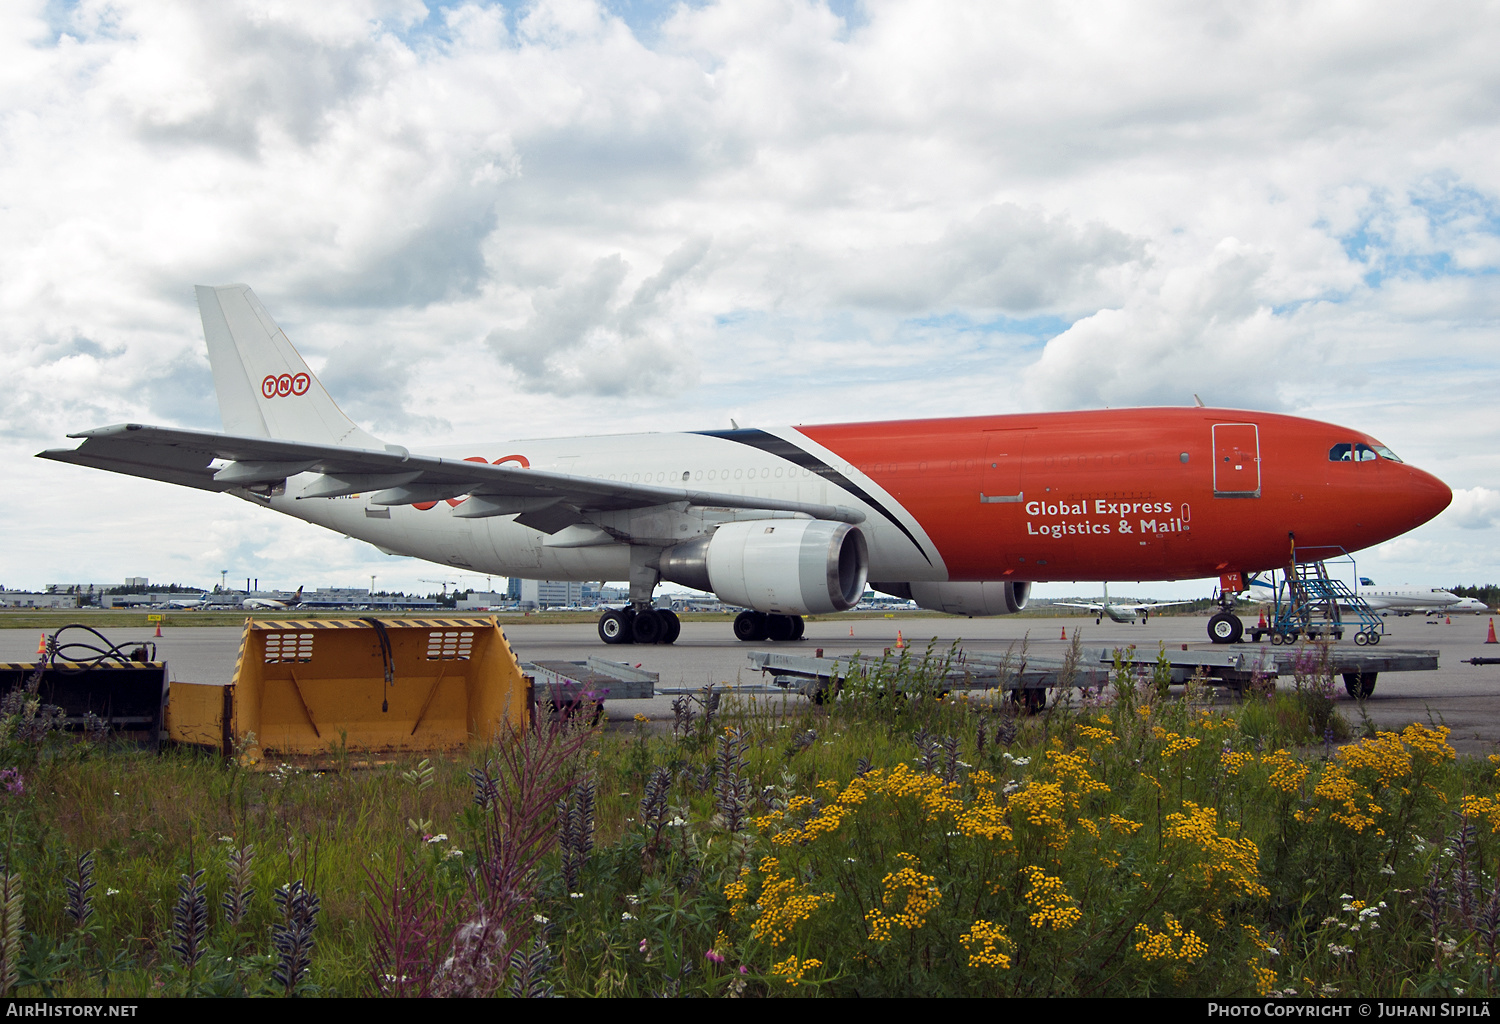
1360, 453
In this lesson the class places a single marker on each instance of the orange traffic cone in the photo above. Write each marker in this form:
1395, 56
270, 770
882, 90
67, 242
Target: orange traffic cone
1064, 633
1447, 620
158, 631
1492, 639
1262, 619
41, 644
851, 630
900, 641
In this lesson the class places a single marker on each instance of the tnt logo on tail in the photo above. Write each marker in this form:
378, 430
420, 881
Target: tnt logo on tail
275, 386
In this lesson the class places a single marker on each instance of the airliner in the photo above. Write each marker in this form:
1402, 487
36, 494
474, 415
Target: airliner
962, 515
271, 603
1120, 612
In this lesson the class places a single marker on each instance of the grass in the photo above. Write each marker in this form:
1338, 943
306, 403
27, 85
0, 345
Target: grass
1127, 843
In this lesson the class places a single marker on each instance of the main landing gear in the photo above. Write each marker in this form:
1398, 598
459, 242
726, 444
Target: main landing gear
757, 626
647, 626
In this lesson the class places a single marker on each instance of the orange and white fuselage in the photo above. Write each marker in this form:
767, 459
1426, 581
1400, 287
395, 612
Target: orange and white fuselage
1140, 494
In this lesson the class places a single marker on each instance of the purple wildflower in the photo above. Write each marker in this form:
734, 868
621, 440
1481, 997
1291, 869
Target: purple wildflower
12, 781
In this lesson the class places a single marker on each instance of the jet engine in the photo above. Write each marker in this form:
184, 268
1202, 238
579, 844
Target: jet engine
969, 599
783, 566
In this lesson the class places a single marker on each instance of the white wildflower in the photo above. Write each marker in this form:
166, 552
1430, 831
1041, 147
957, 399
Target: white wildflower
627, 916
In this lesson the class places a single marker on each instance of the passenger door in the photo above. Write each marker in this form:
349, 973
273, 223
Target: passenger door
1236, 460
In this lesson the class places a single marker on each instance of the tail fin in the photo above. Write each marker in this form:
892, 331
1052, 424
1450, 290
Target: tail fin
265, 389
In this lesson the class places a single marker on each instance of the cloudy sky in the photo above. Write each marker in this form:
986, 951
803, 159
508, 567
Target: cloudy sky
567, 216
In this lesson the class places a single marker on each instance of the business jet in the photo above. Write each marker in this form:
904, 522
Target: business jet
956, 514
1405, 600
1117, 612
1463, 606
270, 603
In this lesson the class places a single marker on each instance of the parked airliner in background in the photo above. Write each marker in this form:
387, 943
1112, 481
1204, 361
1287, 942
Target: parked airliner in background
1117, 612
960, 515
270, 603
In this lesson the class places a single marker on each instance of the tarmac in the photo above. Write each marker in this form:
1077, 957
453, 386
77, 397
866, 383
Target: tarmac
1464, 697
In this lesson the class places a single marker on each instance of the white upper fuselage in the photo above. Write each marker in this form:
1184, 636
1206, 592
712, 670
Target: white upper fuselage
501, 546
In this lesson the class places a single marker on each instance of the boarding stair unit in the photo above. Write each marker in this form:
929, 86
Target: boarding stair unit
1312, 603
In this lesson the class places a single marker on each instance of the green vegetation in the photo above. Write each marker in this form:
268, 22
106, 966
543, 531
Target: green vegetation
1127, 843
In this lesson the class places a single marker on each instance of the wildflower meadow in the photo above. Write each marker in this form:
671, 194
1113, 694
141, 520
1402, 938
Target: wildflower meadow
891, 839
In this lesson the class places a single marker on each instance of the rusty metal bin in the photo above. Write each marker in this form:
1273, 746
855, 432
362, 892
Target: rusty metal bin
305, 687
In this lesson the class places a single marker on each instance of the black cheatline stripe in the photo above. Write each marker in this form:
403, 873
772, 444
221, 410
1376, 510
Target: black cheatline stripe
783, 449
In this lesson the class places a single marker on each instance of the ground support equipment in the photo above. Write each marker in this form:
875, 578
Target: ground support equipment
1311, 604
1029, 678
317, 690
564, 688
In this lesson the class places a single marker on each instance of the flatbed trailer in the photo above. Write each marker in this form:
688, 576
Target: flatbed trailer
1028, 677
567, 684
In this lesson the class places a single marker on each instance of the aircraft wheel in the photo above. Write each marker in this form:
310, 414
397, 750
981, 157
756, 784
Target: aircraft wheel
750, 626
1360, 684
614, 628
673, 627
800, 627
1034, 701
649, 627
1225, 628
783, 627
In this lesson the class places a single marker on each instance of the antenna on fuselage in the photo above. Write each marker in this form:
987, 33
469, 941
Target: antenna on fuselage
1197, 401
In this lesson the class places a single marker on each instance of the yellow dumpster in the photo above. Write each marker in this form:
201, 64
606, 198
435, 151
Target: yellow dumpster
307, 687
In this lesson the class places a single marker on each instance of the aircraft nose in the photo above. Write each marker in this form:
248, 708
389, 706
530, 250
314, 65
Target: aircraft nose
1429, 496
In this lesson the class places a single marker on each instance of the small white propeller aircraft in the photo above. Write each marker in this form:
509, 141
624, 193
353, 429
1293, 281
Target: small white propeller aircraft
1126, 613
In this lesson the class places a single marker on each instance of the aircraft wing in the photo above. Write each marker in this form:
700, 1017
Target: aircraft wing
544, 500
1070, 604
1152, 606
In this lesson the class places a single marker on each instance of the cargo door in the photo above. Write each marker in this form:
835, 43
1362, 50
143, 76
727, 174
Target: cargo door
1236, 460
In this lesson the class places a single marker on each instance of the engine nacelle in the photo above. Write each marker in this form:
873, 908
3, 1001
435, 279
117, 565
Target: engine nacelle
785, 566
962, 598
